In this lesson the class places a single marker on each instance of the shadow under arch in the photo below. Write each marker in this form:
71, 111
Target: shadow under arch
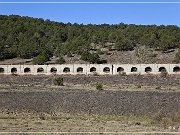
79, 69
13, 70
66, 70
92, 69
1, 70
53, 70
120, 69
27, 70
148, 69
134, 69
162, 69
106, 70
176, 69
40, 70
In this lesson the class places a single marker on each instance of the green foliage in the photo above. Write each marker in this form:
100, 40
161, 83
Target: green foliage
124, 45
99, 86
41, 58
27, 37
58, 80
93, 58
177, 57
60, 60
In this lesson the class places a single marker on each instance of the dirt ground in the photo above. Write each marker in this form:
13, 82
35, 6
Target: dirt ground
122, 57
79, 123
126, 104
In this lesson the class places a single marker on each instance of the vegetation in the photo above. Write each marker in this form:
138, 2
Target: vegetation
167, 120
92, 58
99, 86
58, 80
27, 37
177, 57
41, 58
60, 60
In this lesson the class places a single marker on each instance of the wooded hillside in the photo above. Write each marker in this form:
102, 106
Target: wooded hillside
27, 37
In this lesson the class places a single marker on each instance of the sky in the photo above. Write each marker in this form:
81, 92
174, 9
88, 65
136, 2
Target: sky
145, 14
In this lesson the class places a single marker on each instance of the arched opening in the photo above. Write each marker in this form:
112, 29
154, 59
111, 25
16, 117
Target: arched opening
53, 70
79, 69
40, 70
13, 70
176, 69
27, 70
120, 69
66, 70
106, 70
134, 69
148, 69
1, 70
162, 69
93, 69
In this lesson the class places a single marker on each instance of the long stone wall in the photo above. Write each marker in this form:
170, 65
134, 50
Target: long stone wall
100, 69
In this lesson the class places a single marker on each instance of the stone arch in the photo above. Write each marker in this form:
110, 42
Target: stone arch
162, 69
176, 69
134, 69
40, 70
106, 70
92, 69
148, 69
27, 70
79, 69
53, 70
1, 70
66, 70
13, 70
120, 69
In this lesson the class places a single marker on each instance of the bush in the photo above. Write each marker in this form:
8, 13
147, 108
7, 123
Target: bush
58, 80
41, 58
177, 57
61, 60
93, 58
99, 86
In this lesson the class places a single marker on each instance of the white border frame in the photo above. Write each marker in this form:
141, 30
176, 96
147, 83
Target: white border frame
88, 2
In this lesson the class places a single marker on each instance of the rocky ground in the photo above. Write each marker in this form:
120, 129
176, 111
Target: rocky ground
126, 103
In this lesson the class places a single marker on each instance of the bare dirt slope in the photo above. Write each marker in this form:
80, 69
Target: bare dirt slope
140, 55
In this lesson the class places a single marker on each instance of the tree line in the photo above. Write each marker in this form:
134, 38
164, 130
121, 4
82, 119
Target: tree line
28, 37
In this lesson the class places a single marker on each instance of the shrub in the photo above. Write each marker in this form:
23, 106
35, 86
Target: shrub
177, 57
99, 86
93, 58
61, 60
41, 58
58, 80
158, 88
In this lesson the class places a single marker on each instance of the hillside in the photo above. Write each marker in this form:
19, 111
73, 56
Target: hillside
37, 41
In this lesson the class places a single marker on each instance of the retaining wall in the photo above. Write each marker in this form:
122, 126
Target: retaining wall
101, 69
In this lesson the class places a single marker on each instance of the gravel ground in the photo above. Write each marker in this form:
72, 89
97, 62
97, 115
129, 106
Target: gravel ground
78, 100
147, 80
90, 102
35, 95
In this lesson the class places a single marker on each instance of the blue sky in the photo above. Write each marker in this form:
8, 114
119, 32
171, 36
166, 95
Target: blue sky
166, 14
